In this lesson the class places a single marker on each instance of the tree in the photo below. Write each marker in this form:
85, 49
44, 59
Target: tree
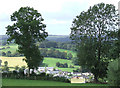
6, 63
16, 67
26, 31
3, 54
70, 56
6, 68
65, 65
75, 60
8, 53
58, 64
91, 32
113, 73
115, 51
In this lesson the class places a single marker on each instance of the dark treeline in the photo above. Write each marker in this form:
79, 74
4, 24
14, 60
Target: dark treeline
44, 52
54, 44
55, 53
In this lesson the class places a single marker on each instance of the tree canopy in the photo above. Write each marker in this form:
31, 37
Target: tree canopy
92, 32
26, 30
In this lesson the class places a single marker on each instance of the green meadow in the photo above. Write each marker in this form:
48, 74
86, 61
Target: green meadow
21, 82
51, 62
13, 48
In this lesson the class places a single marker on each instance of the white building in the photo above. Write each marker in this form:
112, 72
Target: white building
45, 68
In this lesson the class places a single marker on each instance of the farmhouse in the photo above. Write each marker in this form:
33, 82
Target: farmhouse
40, 70
74, 78
78, 80
45, 68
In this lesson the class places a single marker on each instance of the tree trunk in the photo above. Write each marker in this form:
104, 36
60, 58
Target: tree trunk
28, 72
99, 45
96, 79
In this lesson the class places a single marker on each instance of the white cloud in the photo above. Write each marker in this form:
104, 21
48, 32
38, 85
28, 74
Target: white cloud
92, 2
54, 21
54, 12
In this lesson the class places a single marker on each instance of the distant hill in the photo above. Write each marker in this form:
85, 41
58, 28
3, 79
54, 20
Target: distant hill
57, 38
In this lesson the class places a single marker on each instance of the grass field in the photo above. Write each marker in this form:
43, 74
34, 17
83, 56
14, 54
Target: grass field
51, 62
13, 48
20, 82
13, 61
68, 51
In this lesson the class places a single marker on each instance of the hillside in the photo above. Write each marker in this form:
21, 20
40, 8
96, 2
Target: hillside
57, 38
51, 62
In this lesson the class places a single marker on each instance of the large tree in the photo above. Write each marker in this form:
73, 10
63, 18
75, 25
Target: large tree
91, 31
26, 30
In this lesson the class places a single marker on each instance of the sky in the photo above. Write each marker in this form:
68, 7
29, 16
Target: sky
57, 14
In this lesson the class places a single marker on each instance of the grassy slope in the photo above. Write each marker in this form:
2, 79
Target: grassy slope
13, 48
68, 51
19, 82
52, 63
14, 61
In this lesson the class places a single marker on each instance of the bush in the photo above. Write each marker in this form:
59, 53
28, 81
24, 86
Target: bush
113, 73
58, 64
62, 79
7, 47
65, 65
71, 66
3, 54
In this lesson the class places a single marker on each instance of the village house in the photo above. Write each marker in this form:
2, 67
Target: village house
74, 77
45, 68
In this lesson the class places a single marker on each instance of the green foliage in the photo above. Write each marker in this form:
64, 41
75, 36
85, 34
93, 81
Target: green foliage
115, 51
75, 61
91, 31
5, 67
70, 56
113, 73
26, 30
52, 52
8, 53
17, 67
65, 65
3, 54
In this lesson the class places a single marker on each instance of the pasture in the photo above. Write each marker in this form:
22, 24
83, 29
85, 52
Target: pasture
13, 48
21, 82
51, 62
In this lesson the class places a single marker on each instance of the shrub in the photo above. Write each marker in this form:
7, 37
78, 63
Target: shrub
7, 47
113, 73
58, 64
3, 54
65, 65
3, 48
71, 66
62, 79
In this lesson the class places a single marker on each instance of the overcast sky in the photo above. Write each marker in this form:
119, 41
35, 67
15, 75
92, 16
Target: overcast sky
57, 14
